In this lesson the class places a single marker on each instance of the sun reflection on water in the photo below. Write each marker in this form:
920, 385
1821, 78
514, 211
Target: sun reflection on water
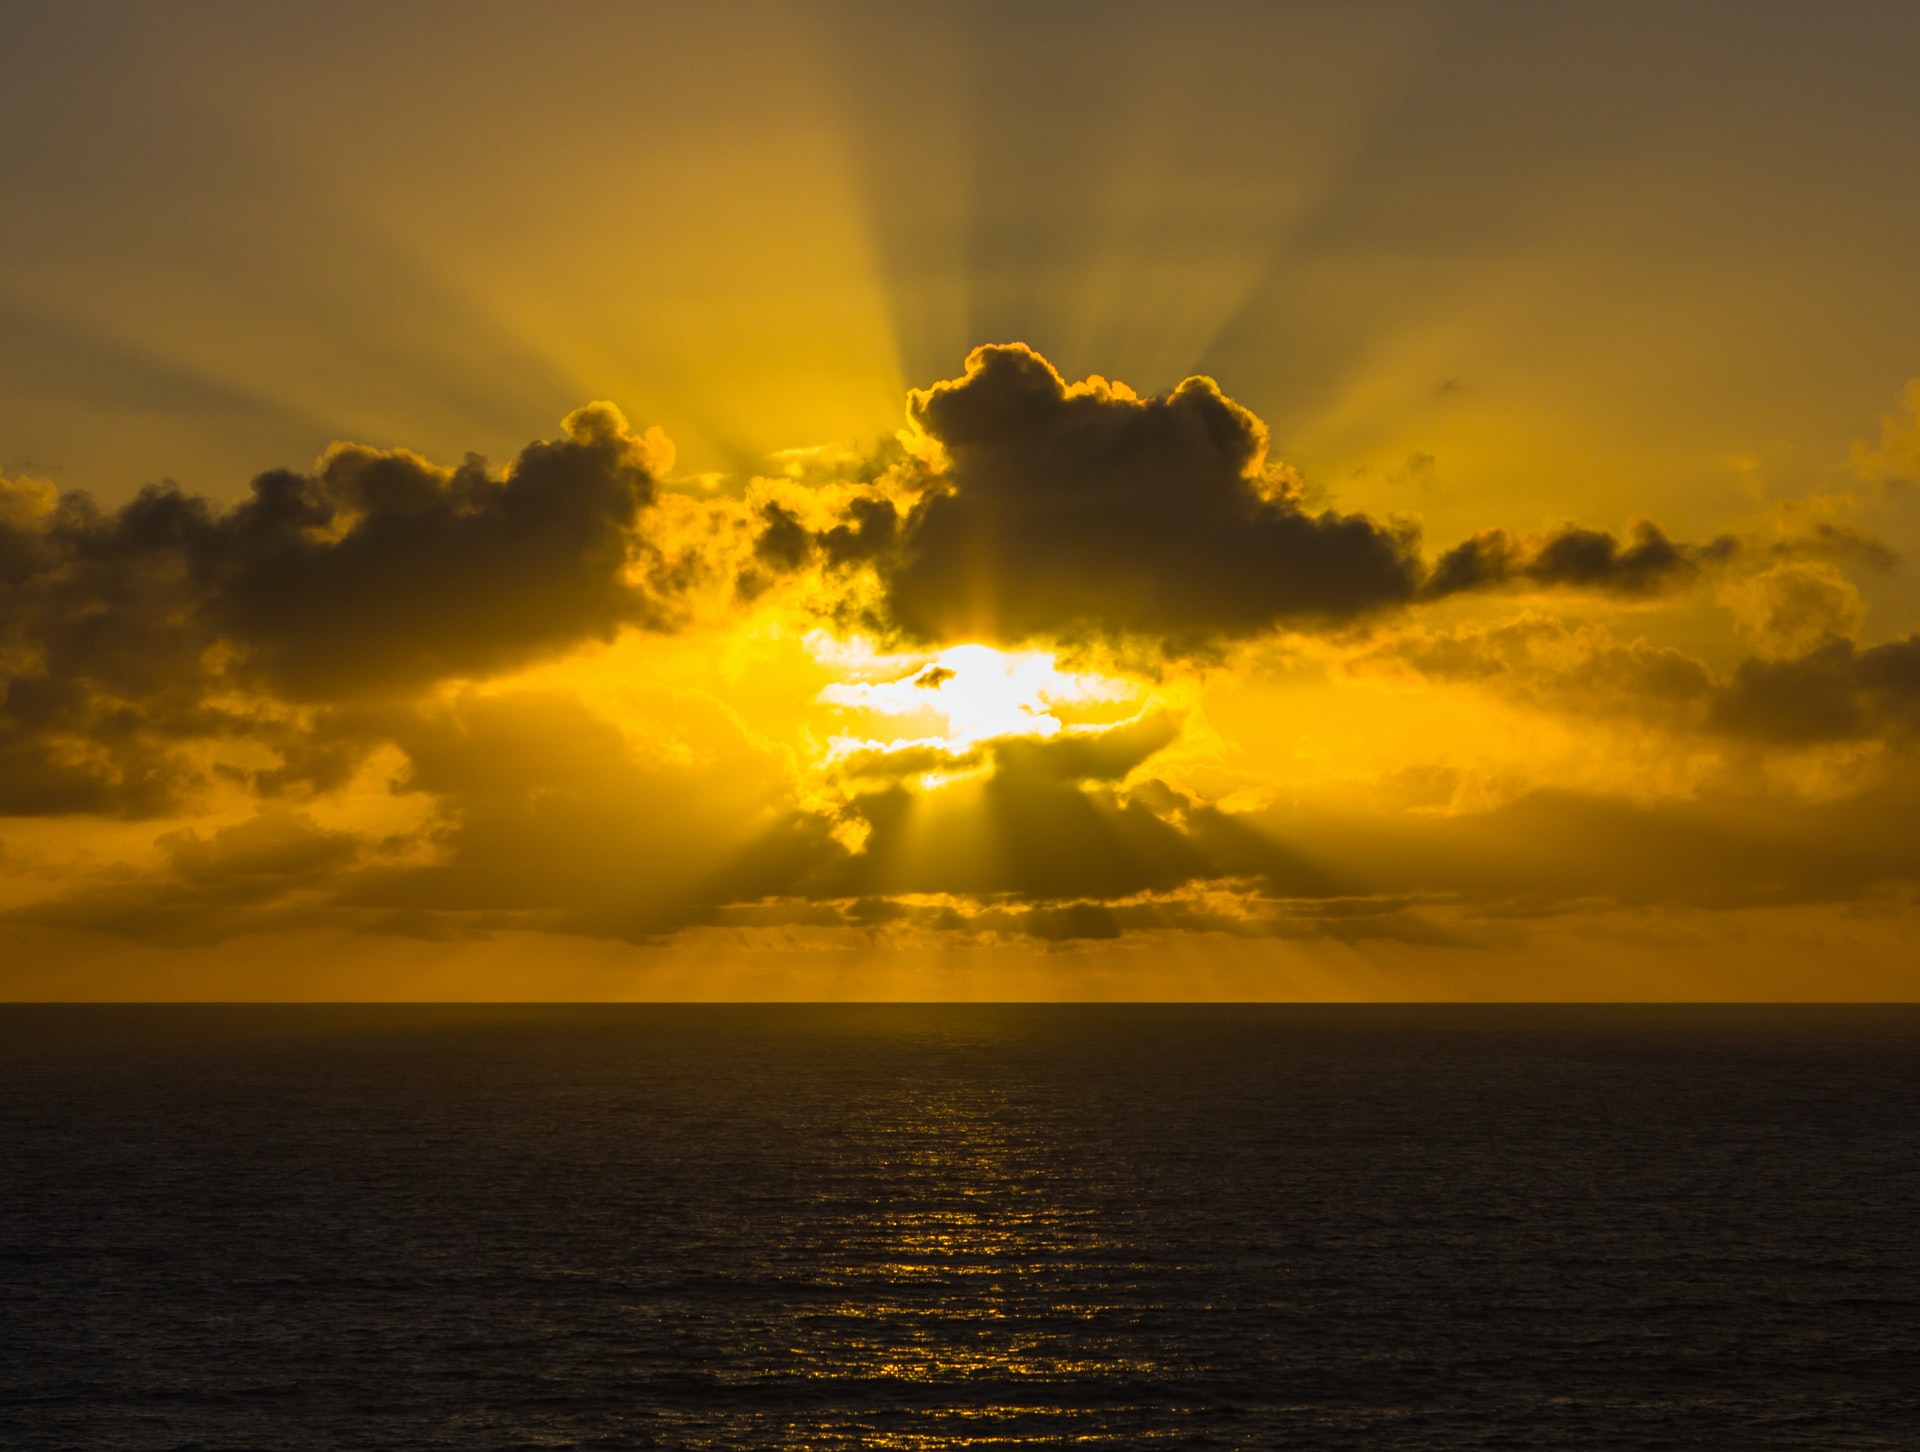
960, 1289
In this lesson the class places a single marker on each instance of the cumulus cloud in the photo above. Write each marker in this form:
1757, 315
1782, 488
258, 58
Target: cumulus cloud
102, 672
1083, 508
381, 569
1055, 510
125, 634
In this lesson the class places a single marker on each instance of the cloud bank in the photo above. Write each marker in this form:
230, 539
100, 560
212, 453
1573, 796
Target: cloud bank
128, 633
326, 698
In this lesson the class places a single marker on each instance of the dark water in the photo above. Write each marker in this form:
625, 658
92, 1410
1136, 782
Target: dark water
949, 1227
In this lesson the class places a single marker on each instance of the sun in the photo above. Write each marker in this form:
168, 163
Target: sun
963, 696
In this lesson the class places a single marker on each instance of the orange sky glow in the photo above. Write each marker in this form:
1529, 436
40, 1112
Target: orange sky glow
827, 501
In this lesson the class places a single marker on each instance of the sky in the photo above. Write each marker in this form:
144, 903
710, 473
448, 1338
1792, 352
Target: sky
1358, 501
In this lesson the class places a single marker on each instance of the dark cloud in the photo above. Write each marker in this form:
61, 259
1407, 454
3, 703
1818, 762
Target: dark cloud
1574, 558
1028, 836
381, 570
783, 542
278, 868
1085, 509
895, 763
1837, 691
1646, 564
1553, 852
873, 524
377, 573
102, 652
1041, 510
1099, 756
1152, 859
1061, 511
1241, 913
98, 763
1067, 922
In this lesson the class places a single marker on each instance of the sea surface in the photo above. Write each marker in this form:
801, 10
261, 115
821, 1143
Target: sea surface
944, 1226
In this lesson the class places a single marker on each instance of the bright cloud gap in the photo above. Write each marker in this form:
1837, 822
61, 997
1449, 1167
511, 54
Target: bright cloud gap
968, 694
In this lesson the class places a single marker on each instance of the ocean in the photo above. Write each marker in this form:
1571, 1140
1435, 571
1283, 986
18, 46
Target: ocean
959, 1226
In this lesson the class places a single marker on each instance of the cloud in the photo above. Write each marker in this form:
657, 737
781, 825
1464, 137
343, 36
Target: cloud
783, 542
1012, 834
101, 653
272, 847
1153, 860
1824, 540
126, 634
1103, 755
873, 524
1046, 510
548, 815
1819, 687
1574, 558
277, 868
1063, 509
1553, 666
1789, 608
531, 811
1895, 458
381, 570
1552, 852
1838, 691
375, 603
1014, 506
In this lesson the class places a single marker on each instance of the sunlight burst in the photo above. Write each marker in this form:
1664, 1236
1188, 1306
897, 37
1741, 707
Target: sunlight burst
973, 693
